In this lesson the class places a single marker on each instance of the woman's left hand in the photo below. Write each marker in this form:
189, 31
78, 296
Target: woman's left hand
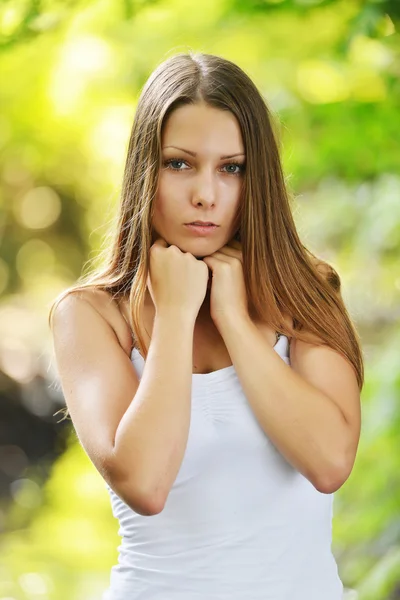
228, 291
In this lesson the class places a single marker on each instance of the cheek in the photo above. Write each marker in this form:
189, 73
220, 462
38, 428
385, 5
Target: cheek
231, 192
161, 198
165, 205
167, 196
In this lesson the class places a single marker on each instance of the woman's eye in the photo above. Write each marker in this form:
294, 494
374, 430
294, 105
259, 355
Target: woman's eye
173, 165
239, 167
170, 162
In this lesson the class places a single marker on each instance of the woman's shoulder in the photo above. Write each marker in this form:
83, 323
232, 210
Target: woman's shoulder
113, 310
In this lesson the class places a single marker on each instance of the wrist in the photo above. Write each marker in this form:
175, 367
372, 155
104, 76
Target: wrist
175, 315
229, 317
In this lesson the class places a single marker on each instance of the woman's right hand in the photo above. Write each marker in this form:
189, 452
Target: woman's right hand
177, 281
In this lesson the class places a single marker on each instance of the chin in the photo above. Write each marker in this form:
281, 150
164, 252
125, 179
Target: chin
197, 254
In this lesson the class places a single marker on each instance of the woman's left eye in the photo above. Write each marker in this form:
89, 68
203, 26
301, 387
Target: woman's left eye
240, 167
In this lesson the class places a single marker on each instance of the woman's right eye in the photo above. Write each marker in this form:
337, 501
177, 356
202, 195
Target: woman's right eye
169, 164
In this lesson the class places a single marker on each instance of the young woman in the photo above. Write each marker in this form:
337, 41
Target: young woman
212, 373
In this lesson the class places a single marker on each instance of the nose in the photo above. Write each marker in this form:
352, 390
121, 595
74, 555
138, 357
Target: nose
204, 188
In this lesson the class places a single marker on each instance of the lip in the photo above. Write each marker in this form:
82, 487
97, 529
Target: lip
202, 223
202, 229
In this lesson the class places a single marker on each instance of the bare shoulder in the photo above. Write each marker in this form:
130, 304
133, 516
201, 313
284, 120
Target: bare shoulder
328, 272
108, 307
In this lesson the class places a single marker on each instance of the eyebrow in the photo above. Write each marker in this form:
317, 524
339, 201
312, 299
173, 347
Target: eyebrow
195, 154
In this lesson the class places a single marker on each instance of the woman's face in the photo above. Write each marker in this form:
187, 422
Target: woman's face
196, 182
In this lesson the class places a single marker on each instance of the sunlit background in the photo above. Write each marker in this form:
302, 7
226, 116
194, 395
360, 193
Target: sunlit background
71, 73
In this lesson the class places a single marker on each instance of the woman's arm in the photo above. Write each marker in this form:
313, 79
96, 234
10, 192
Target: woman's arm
310, 411
155, 427
135, 432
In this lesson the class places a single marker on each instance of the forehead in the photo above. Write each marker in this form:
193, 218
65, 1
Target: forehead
202, 128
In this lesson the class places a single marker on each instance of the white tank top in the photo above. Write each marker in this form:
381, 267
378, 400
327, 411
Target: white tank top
240, 523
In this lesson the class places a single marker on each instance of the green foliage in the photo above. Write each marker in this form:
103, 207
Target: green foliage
71, 541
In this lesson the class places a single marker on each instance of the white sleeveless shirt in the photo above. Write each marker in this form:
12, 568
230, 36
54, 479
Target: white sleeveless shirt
240, 523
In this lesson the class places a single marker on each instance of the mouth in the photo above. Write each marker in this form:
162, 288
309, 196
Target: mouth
201, 229
203, 224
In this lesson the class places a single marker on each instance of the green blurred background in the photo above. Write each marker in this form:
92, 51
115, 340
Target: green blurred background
71, 73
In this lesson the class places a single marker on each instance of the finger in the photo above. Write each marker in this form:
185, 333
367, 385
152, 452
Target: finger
217, 258
161, 242
227, 251
210, 261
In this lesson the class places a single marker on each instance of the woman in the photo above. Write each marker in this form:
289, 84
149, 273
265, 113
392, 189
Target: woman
212, 374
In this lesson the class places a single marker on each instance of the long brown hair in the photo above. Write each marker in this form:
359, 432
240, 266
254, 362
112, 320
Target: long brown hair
282, 277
